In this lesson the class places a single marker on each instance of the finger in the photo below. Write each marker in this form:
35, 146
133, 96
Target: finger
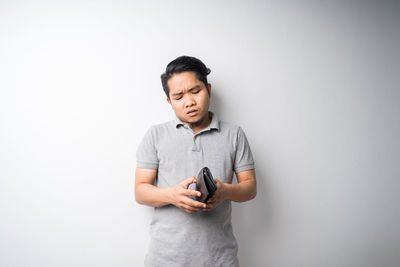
189, 181
194, 203
206, 209
209, 207
191, 192
188, 211
188, 208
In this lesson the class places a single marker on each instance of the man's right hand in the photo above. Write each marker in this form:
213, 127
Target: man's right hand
180, 196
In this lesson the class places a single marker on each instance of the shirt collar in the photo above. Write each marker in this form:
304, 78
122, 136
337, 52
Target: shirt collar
213, 125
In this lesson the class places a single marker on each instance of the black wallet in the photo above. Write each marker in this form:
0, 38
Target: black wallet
205, 184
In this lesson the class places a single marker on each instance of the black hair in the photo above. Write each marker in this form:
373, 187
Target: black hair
181, 64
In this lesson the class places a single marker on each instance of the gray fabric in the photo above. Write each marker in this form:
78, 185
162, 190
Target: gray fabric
204, 238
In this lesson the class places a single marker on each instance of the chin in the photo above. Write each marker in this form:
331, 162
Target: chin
193, 120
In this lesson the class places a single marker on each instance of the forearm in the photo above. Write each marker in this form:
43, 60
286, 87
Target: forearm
243, 191
152, 195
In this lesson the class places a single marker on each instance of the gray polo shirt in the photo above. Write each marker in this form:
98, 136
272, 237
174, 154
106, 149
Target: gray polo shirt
203, 238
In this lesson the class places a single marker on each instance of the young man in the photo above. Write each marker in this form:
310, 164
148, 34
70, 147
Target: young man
185, 232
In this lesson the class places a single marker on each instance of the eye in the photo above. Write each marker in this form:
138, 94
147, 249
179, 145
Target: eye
178, 98
196, 91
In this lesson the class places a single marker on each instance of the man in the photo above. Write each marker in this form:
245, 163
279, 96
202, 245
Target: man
185, 232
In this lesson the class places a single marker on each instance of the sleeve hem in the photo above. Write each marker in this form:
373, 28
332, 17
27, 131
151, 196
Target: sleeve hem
147, 165
244, 168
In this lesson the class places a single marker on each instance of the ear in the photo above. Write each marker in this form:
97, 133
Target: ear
209, 89
168, 100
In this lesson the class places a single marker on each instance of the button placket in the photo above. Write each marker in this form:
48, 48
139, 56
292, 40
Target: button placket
195, 146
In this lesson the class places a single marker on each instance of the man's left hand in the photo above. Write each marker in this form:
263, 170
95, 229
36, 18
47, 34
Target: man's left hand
218, 197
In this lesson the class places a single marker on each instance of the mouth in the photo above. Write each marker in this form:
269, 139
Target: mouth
192, 113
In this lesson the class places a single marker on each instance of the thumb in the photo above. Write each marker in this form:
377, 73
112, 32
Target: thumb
188, 181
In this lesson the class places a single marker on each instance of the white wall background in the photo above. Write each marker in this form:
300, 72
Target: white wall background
314, 84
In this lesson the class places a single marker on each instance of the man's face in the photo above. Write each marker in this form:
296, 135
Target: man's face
189, 97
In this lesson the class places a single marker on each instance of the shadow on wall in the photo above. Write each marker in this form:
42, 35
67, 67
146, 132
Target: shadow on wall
215, 102
253, 221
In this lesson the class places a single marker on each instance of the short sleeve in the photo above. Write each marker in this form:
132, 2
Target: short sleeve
243, 156
146, 155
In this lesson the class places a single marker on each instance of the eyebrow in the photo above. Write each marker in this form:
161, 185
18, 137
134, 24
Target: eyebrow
191, 89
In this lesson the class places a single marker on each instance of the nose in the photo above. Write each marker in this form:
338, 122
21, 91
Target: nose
189, 100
